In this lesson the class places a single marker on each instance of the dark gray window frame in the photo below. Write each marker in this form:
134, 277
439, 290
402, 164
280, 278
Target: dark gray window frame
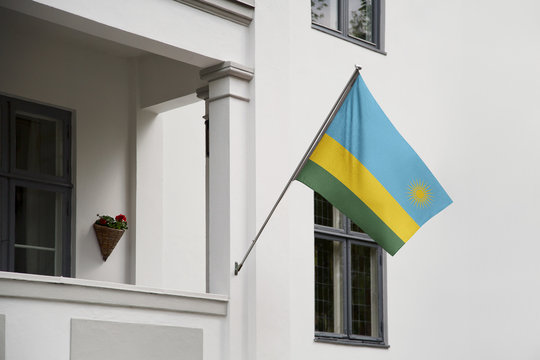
378, 27
10, 177
348, 237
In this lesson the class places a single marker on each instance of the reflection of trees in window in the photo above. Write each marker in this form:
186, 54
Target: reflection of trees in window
357, 21
348, 280
317, 9
360, 23
325, 13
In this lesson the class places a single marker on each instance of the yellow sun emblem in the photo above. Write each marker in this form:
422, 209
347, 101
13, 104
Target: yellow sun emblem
419, 193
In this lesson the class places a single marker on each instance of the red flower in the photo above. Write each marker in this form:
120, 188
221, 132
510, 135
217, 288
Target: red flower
121, 217
103, 221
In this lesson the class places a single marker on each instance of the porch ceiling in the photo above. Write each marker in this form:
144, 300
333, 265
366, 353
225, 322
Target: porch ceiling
160, 79
161, 34
13, 22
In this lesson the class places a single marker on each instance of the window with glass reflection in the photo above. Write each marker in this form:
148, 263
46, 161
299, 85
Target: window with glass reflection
35, 188
358, 21
349, 271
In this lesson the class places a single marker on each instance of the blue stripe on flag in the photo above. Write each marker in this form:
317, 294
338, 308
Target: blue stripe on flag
362, 128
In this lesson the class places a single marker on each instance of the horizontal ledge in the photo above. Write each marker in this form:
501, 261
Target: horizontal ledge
236, 11
226, 69
233, 96
50, 288
351, 342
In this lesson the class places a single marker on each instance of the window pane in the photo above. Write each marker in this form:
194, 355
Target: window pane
356, 228
38, 230
326, 214
325, 13
3, 225
2, 140
328, 286
33, 261
361, 19
364, 291
39, 146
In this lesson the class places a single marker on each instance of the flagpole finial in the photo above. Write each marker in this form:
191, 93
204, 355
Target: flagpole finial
358, 67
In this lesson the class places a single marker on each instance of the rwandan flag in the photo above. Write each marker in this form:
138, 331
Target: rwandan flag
366, 169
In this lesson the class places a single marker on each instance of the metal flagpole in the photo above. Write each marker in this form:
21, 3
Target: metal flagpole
311, 148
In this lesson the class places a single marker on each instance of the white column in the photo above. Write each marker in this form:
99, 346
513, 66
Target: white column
149, 204
228, 108
230, 200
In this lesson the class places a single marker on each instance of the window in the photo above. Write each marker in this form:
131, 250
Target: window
358, 21
35, 188
349, 273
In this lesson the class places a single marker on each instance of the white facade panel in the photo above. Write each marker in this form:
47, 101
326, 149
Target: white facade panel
113, 340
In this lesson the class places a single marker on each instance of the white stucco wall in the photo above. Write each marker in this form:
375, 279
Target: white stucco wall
462, 89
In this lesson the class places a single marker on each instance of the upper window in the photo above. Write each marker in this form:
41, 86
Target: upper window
35, 188
349, 273
359, 21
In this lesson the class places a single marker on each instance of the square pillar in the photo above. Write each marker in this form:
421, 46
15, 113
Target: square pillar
230, 192
228, 170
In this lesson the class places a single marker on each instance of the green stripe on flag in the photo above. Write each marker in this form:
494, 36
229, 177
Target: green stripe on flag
347, 202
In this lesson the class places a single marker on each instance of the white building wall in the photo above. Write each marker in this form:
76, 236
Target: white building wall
270, 264
460, 82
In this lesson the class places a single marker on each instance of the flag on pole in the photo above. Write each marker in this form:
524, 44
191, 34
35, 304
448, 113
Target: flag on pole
364, 167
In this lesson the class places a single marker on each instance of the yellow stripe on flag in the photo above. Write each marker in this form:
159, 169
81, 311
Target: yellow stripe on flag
339, 162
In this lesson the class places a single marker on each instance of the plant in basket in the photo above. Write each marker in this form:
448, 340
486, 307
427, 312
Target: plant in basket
119, 222
109, 230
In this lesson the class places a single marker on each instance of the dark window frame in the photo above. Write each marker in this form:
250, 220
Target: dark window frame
349, 237
11, 177
376, 45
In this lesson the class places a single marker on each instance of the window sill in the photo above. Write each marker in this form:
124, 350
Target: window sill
339, 35
50, 288
350, 342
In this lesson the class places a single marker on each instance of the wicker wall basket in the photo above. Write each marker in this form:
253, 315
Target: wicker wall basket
107, 239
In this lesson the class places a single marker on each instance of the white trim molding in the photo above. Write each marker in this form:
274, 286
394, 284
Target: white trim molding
81, 291
228, 80
226, 69
237, 11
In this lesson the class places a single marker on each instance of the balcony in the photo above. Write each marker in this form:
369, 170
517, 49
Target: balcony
136, 146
